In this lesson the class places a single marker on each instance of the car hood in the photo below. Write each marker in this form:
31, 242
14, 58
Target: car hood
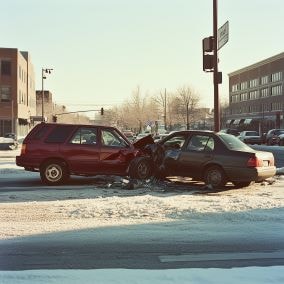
141, 143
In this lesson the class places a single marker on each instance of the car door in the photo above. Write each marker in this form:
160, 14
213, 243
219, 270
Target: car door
173, 147
82, 150
115, 152
198, 152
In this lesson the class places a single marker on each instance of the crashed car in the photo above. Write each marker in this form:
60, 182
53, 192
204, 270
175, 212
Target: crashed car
215, 158
60, 150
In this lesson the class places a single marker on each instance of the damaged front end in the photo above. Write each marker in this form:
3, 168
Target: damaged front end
152, 159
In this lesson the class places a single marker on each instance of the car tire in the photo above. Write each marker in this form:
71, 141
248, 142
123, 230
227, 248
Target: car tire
215, 176
54, 172
240, 184
140, 168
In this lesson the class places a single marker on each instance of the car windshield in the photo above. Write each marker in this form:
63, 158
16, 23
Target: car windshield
251, 133
233, 143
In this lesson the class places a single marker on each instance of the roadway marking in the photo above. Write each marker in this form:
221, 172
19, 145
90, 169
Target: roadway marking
222, 256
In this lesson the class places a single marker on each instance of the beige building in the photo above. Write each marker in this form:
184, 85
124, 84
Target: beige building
17, 91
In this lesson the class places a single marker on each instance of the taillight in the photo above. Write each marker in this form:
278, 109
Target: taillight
254, 162
23, 149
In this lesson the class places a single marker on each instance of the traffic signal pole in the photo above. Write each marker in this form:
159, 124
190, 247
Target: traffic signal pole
216, 75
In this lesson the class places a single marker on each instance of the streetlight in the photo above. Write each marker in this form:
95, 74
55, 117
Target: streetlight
43, 72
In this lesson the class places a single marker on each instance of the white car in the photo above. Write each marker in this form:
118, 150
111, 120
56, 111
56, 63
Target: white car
250, 137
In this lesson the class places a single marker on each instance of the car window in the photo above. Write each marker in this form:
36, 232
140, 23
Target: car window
175, 141
39, 133
233, 143
251, 133
85, 135
112, 138
200, 143
59, 134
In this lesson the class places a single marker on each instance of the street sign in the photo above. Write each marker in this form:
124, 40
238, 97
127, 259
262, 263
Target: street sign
223, 35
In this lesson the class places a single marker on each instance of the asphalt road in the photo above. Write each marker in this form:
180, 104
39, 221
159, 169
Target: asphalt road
133, 248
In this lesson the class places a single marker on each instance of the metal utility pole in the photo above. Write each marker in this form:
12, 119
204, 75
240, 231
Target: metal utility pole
165, 110
215, 67
210, 47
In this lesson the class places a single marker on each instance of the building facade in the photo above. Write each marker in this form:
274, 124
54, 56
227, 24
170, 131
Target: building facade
17, 91
256, 96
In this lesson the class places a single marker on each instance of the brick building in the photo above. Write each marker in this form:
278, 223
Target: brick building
17, 91
256, 97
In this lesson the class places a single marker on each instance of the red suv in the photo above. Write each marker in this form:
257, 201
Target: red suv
60, 150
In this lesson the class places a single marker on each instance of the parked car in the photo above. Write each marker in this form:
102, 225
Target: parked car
250, 137
8, 142
60, 150
281, 139
129, 134
272, 136
232, 131
215, 158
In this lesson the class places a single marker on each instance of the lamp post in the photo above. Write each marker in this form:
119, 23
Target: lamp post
44, 71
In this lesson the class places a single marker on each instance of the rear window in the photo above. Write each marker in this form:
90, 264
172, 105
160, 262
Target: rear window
38, 132
233, 143
59, 134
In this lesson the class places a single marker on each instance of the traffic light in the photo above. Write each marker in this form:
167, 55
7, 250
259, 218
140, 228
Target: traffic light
102, 111
208, 57
54, 118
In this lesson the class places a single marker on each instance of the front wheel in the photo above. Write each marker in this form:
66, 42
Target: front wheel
215, 176
140, 168
54, 173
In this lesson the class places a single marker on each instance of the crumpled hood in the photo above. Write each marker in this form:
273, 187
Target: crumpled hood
141, 143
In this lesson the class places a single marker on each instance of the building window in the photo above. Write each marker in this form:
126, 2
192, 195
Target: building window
276, 106
235, 98
244, 85
5, 94
253, 83
244, 97
275, 77
276, 90
254, 95
264, 80
264, 92
235, 87
6, 68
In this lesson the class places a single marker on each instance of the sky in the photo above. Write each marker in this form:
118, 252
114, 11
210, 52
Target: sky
101, 50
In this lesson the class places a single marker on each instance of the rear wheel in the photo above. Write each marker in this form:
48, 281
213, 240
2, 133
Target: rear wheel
215, 176
54, 172
140, 168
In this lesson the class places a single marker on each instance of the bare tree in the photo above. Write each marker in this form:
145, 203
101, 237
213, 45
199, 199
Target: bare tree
189, 100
